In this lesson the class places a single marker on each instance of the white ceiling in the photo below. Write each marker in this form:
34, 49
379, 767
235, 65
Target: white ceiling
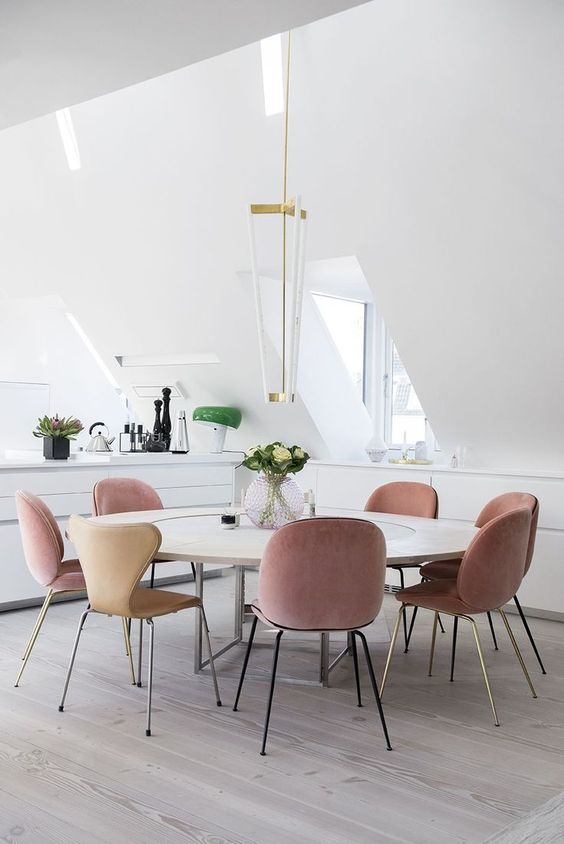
56, 53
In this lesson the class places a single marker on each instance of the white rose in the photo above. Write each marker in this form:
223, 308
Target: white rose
299, 453
281, 454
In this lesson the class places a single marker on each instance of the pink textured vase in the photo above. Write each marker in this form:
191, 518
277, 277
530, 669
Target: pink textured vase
274, 500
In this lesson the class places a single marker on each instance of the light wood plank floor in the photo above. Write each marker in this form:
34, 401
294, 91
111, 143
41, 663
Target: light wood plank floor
90, 775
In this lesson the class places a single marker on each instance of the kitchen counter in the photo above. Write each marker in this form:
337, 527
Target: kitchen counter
83, 459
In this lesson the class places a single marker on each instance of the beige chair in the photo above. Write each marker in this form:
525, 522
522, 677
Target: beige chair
114, 558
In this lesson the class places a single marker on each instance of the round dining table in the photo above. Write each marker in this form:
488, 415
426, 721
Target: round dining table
196, 536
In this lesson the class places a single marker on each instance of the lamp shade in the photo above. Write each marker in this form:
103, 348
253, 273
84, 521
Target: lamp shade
230, 417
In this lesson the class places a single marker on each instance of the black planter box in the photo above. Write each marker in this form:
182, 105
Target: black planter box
56, 448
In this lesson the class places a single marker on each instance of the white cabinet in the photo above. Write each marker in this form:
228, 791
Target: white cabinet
67, 488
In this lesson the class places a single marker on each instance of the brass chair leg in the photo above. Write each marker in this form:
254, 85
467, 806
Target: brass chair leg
517, 651
483, 664
35, 633
128, 649
83, 618
401, 612
433, 640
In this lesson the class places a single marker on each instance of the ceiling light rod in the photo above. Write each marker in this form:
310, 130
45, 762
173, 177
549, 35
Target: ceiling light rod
292, 282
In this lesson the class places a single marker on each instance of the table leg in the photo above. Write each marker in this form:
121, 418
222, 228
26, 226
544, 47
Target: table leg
324, 659
199, 584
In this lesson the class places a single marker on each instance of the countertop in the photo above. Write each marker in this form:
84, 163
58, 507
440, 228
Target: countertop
86, 459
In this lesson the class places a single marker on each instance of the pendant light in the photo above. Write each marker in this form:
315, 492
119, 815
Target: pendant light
293, 218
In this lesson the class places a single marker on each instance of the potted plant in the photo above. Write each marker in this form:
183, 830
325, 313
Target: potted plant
57, 434
274, 498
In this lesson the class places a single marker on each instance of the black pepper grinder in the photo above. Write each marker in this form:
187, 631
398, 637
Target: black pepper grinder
166, 423
158, 426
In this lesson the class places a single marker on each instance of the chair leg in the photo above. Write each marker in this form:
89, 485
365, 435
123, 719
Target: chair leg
405, 636
128, 649
150, 674
433, 640
374, 686
410, 631
517, 651
73, 655
140, 654
484, 668
34, 634
152, 581
245, 663
210, 654
271, 693
490, 622
453, 652
352, 639
441, 625
529, 634
391, 650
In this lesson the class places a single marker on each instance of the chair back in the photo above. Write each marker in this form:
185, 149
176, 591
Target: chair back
323, 574
512, 501
493, 566
406, 498
123, 495
113, 559
41, 537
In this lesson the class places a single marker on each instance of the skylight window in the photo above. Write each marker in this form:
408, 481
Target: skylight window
68, 137
272, 74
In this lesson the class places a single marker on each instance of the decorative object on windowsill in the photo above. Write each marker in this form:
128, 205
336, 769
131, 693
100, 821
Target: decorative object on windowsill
57, 434
220, 419
274, 498
99, 444
292, 277
180, 443
409, 461
376, 449
420, 452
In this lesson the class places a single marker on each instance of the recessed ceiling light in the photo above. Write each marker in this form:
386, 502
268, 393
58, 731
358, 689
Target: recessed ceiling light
272, 74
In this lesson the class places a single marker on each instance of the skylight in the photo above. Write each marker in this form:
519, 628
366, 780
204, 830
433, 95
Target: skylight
64, 121
272, 74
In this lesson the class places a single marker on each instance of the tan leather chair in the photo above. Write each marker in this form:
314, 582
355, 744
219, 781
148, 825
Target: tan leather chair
114, 558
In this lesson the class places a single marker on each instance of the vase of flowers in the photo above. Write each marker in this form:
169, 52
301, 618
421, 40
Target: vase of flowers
274, 498
57, 434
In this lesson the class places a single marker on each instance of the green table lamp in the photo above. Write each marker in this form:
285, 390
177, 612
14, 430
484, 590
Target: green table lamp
220, 419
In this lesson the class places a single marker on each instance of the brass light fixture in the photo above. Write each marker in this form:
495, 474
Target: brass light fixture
292, 275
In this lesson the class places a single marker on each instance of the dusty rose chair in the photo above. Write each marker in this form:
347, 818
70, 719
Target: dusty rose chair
448, 569
489, 575
321, 575
406, 498
43, 550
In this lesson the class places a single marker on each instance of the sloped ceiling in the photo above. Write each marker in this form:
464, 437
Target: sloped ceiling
427, 140
56, 53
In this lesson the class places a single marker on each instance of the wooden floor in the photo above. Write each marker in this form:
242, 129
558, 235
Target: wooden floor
90, 774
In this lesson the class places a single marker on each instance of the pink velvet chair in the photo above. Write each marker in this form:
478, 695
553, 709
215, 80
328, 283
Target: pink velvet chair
448, 569
405, 498
43, 550
489, 575
321, 575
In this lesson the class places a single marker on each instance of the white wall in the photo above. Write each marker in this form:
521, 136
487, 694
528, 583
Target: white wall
39, 345
426, 139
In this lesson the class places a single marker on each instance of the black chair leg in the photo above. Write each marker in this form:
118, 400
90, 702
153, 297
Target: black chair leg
152, 582
411, 623
355, 663
271, 694
490, 622
245, 663
374, 686
441, 624
529, 634
453, 652
405, 634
